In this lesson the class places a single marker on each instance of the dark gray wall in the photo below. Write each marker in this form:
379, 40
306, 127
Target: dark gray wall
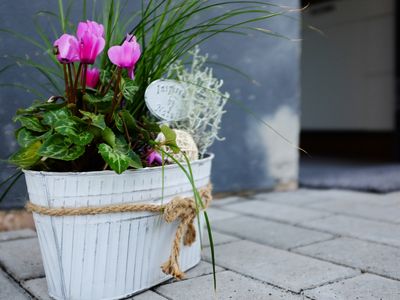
251, 157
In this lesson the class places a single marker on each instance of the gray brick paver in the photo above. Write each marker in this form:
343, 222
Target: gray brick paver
279, 212
278, 267
227, 200
38, 288
215, 214
22, 258
9, 290
296, 198
203, 268
326, 196
218, 238
363, 287
372, 257
270, 233
359, 208
369, 230
17, 234
229, 286
149, 295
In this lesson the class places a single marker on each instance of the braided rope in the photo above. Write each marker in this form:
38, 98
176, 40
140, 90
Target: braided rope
182, 208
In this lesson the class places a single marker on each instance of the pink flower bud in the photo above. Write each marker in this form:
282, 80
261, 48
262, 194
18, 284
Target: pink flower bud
92, 77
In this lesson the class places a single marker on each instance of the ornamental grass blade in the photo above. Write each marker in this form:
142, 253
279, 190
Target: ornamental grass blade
15, 177
212, 251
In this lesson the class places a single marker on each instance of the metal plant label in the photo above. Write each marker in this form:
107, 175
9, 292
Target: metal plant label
166, 99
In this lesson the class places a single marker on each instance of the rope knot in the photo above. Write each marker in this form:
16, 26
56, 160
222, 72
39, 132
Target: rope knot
185, 210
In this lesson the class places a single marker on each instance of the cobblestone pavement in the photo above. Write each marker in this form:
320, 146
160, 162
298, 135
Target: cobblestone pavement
306, 244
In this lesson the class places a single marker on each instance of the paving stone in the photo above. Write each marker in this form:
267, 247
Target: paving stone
359, 208
350, 196
215, 214
9, 290
363, 287
394, 198
372, 257
218, 238
270, 233
274, 211
278, 267
375, 231
17, 234
203, 268
229, 286
149, 295
38, 288
226, 200
297, 198
22, 258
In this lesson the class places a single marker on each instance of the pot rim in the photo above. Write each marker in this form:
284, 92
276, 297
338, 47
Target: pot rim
208, 157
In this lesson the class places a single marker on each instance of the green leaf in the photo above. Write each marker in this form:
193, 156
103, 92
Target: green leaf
129, 121
129, 89
51, 117
97, 99
59, 147
121, 144
38, 106
170, 138
96, 120
135, 161
27, 156
123, 147
118, 122
26, 137
31, 123
70, 128
105, 75
109, 137
117, 160
170, 135
151, 125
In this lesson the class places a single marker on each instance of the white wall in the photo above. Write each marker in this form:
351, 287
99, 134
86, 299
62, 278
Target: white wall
348, 74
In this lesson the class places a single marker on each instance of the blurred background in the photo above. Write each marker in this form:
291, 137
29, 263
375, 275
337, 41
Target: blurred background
330, 87
350, 118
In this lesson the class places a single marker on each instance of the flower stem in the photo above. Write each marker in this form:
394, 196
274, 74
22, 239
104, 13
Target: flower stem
85, 67
77, 79
109, 83
71, 82
116, 92
128, 137
67, 91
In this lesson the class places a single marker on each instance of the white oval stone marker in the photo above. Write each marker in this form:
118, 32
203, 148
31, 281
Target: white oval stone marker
166, 99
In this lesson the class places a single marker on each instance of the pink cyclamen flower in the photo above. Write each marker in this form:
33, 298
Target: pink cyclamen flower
126, 56
91, 41
92, 77
92, 27
67, 49
152, 157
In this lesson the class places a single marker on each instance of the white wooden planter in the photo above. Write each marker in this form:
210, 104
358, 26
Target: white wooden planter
109, 256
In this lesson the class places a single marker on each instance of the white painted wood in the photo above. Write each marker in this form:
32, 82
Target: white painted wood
109, 256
